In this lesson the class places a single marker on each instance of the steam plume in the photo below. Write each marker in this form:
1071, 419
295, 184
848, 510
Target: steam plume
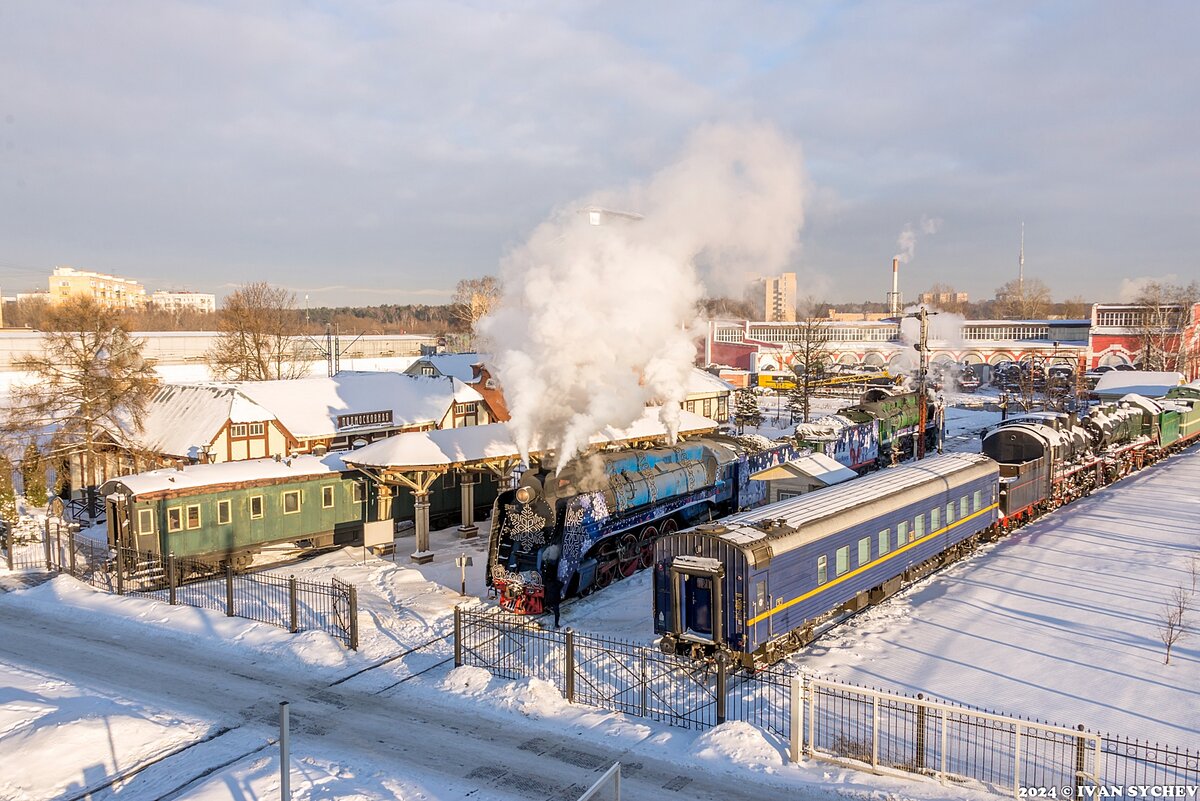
907, 242
596, 321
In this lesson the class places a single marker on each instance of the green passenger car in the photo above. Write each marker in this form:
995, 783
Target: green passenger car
227, 512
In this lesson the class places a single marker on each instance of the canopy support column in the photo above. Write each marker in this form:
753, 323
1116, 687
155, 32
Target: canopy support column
468, 528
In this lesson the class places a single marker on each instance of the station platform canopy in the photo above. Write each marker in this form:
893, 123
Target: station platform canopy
481, 447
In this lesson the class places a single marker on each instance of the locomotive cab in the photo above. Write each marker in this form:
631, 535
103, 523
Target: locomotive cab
689, 594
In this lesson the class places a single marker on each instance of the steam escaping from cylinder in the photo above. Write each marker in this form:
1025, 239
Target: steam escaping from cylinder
596, 321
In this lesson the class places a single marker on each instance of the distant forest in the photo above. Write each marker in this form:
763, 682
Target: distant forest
449, 318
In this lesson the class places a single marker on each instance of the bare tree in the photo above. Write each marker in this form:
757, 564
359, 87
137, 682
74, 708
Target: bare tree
1194, 571
473, 299
259, 336
813, 353
90, 388
1075, 308
1023, 300
1171, 624
1166, 313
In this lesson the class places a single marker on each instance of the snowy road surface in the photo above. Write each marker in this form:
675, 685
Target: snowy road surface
432, 748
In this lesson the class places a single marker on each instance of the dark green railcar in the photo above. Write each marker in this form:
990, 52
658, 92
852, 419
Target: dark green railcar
227, 512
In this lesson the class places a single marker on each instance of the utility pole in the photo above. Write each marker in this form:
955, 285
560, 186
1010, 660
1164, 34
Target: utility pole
922, 348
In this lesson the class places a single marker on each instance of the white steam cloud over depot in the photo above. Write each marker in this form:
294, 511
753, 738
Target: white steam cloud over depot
597, 321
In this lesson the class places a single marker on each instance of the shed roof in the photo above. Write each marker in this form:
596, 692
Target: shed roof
209, 475
816, 466
1116, 383
474, 445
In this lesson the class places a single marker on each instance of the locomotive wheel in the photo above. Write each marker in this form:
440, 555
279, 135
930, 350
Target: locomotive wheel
605, 573
630, 554
646, 545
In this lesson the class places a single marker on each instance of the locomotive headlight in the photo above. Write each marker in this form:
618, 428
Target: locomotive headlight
524, 495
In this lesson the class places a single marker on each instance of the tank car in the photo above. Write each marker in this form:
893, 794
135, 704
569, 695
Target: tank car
599, 517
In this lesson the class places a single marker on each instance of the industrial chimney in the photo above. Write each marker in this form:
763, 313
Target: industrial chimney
894, 295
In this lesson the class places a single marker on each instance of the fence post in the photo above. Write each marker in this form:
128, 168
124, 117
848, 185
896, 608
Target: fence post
569, 670
813, 695
293, 609
8, 544
171, 577
458, 645
875, 731
942, 750
120, 569
1017, 762
1080, 757
229, 589
353, 618
72, 530
58, 545
721, 687
920, 756
645, 683
46, 544
796, 722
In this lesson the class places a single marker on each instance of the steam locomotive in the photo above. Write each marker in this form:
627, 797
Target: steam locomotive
760, 584
881, 429
599, 517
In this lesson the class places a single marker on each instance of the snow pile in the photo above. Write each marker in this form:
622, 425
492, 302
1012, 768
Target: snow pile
533, 698
731, 206
467, 680
738, 744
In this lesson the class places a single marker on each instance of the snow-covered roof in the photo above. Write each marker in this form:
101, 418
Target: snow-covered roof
210, 475
455, 365
816, 466
1116, 383
454, 447
182, 419
309, 407
702, 382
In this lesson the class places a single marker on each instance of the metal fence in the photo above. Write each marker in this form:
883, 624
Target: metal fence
844, 723
276, 600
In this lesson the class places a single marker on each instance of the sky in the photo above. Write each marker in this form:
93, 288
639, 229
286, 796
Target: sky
368, 152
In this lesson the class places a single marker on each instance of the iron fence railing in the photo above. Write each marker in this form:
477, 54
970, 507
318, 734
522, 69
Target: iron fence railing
836, 721
280, 601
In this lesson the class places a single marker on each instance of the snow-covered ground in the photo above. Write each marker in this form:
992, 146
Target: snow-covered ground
95, 689
1059, 621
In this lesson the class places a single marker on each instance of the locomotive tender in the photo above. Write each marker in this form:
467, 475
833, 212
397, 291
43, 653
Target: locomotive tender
759, 584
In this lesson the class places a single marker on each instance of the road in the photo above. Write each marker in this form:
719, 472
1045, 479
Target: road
472, 752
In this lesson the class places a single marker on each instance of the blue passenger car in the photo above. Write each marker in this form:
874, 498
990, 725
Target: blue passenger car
757, 584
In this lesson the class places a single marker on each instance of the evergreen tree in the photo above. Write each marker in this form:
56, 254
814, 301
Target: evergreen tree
8, 496
33, 476
746, 411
